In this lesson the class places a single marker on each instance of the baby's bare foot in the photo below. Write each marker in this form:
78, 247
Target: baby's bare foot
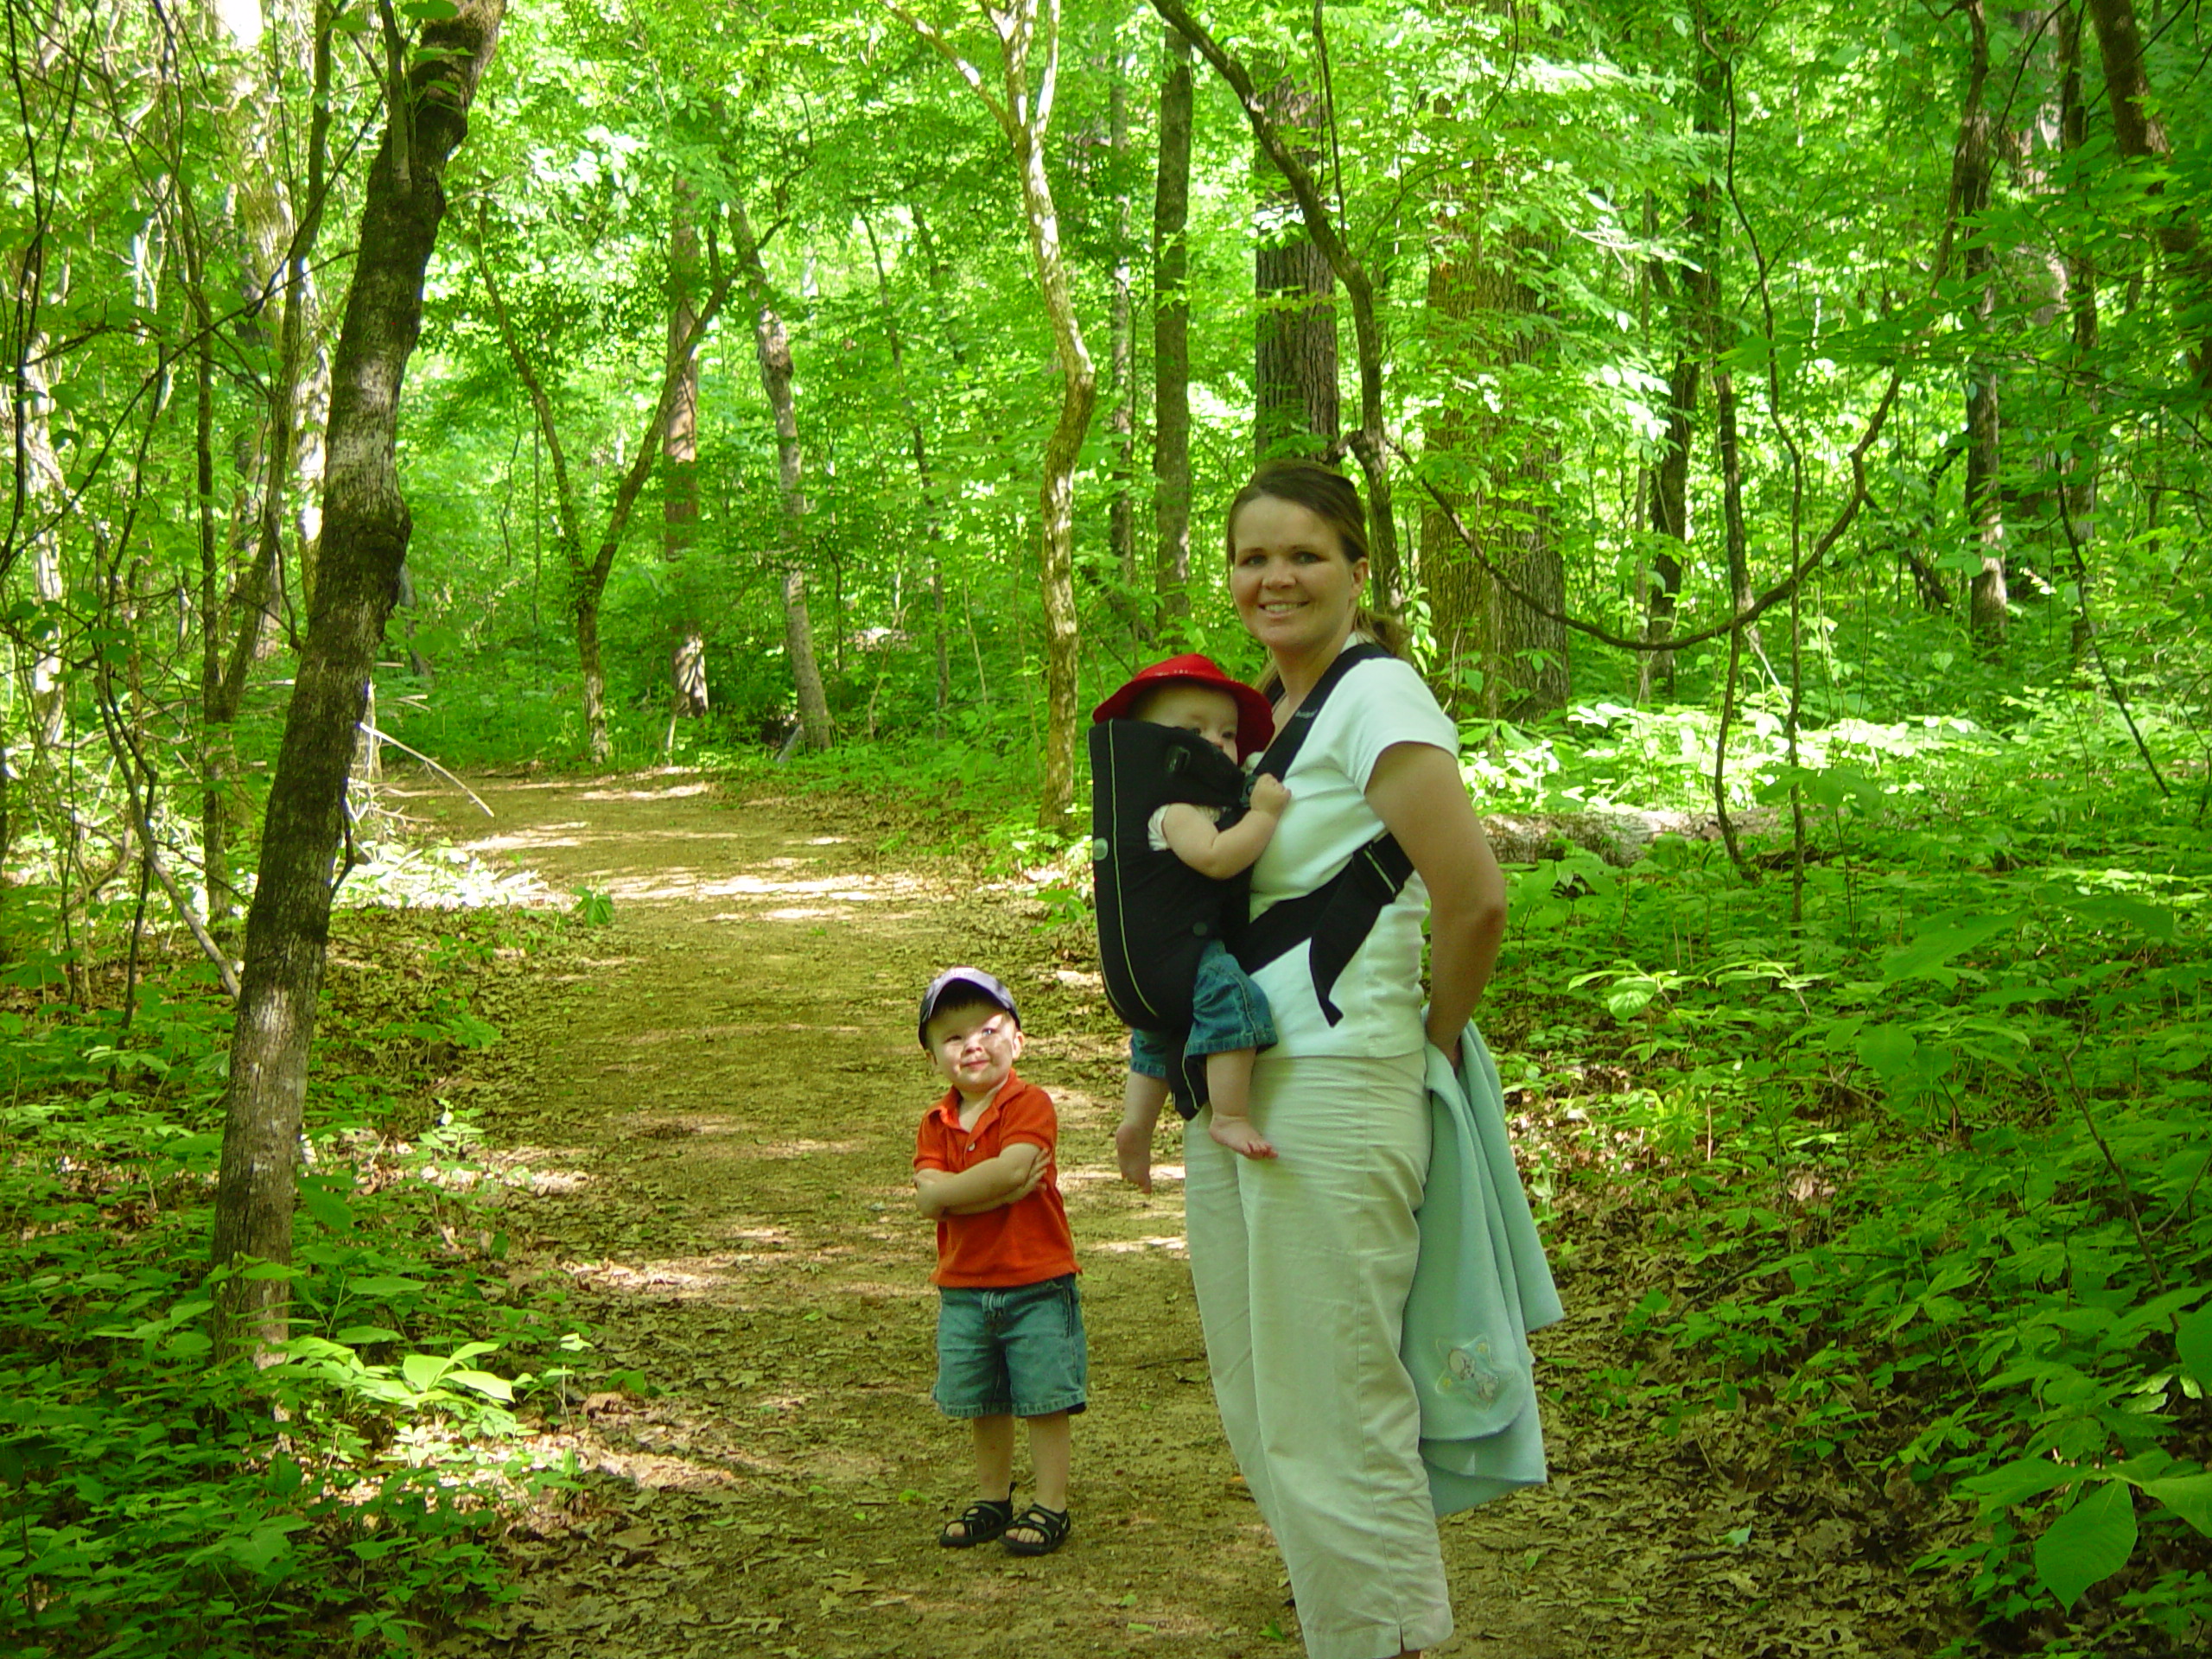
1240, 1137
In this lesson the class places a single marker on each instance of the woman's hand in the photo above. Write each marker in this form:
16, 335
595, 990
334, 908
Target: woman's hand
1415, 790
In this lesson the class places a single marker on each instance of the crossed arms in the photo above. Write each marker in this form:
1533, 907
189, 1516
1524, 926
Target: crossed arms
1006, 1178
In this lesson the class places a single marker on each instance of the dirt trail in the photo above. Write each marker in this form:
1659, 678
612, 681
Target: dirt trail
721, 1114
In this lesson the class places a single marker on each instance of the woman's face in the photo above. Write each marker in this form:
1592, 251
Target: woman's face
1293, 588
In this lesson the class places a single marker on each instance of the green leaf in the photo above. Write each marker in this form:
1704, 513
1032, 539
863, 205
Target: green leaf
1887, 1051
2017, 1482
431, 12
2087, 1544
423, 1371
1928, 954
484, 1382
2187, 1496
2193, 1342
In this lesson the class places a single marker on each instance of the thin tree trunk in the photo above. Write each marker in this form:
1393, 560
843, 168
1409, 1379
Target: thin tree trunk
1171, 343
587, 576
773, 347
1973, 162
932, 519
1029, 32
1121, 358
679, 452
364, 542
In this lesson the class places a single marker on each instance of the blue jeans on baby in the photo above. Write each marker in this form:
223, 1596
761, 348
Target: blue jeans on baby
1228, 1012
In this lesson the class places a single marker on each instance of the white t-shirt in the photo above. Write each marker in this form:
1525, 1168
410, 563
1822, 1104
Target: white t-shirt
1377, 704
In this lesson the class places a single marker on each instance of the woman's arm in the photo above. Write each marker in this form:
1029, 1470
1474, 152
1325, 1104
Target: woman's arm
1416, 790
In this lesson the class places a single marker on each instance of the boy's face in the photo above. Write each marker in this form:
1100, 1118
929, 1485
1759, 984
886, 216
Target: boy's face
1211, 713
974, 1048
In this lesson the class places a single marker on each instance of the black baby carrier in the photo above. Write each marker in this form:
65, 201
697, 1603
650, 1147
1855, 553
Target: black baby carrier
1156, 915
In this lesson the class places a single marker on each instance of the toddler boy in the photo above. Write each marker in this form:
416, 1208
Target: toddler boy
1009, 1330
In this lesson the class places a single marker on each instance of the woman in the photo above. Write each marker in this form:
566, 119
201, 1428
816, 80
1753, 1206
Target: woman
1302, 1263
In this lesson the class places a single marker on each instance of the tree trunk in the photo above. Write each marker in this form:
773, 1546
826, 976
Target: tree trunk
2140, 138
1294, 335
1368, 444
365, 541
1063, 450
1121, 358
587, 576
1171, 343
679, 454
1973, 162
926, 486
1670, 508
256, 599
1496, 654
773, 347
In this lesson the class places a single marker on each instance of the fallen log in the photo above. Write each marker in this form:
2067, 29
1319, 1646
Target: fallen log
1618, 835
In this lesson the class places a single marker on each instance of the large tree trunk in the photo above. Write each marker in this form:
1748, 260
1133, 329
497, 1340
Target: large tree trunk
1294, 335
1486, 319
679, 454
2140, 138
1171, 343
365, 541
773, 347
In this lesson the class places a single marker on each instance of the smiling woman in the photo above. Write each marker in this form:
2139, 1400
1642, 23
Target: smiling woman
1302, 1262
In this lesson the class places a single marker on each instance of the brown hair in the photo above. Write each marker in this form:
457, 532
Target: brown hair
1334, 500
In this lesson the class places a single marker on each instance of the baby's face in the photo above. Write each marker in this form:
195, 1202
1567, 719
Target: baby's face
1211, 713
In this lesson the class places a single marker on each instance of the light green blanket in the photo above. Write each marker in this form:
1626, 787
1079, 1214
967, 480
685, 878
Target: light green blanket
1481, 1285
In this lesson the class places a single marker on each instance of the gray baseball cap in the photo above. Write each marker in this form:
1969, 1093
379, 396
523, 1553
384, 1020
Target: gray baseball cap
976, 979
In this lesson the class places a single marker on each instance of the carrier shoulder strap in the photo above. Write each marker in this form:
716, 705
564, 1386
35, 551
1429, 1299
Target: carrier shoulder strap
1339, 914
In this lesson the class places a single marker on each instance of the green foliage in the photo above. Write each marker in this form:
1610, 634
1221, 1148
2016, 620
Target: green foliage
153, 1501
1935, 1156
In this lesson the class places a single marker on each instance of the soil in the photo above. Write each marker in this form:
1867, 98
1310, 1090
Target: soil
718, 1109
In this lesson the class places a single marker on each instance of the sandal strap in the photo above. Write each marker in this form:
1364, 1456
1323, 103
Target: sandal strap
1051, 1526
981, 1522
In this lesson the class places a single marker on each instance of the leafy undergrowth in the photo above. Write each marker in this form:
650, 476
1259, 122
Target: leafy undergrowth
1916, 1179
156, 1501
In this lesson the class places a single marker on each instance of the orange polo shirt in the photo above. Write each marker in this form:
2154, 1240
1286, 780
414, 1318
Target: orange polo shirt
1021, 1243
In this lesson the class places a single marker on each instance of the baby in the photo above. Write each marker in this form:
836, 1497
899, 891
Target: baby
1178, 893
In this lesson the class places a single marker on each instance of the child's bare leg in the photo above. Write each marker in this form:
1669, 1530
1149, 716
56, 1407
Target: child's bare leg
993, 1478
1229, 1083
1141, 1099
1051, 1444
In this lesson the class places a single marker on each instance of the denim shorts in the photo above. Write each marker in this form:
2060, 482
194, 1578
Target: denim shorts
1018, 1351
1228, 1012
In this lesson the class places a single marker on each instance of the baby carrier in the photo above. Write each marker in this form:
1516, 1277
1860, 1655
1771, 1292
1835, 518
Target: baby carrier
1156, 915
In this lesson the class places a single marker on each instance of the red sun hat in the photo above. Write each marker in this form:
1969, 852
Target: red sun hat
1256, 720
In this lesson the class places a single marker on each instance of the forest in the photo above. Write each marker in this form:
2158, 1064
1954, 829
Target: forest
558, 559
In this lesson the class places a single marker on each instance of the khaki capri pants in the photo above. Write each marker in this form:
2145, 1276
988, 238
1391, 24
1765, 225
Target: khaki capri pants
1301, 1264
